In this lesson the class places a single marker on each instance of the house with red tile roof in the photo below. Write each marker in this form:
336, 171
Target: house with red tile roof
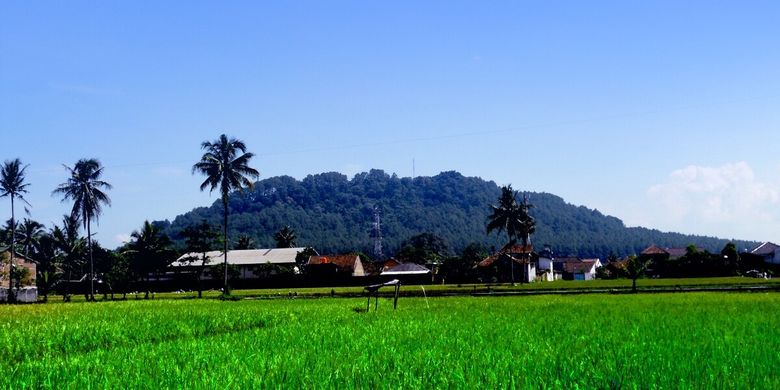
654, 251
582, 269
516, 263
336, 265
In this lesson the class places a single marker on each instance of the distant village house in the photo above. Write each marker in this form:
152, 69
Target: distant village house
250, 262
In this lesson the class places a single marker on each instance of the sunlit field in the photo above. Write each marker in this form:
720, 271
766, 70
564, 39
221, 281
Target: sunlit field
681, 340
616, 285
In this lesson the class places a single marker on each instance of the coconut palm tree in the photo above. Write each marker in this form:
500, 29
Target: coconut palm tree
245, 242
31, 233
513, 218
47, 258
505, 217
71, 248
149, 252
227, 170
12, 185
285, 237
85, 189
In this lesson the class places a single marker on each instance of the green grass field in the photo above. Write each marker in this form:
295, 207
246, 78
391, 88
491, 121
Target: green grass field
682, 340
465, 289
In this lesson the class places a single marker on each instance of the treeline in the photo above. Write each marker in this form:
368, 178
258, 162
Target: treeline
695, 263
334, 214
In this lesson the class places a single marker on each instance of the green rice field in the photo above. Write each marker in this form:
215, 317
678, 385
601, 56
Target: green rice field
681, 340
466, 289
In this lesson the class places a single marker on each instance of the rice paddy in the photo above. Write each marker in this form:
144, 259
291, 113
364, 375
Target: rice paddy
683, 340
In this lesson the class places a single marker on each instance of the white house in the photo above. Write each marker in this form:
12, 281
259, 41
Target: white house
247, 260
583, 269
546, 265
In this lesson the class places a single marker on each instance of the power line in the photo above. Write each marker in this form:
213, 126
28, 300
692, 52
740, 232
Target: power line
595, 119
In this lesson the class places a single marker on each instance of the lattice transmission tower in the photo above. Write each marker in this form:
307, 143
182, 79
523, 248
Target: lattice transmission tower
376, 235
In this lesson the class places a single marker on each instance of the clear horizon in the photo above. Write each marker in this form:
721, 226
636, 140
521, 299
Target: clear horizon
663, 115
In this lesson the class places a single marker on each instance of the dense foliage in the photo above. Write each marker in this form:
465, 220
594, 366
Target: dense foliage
686, 340
334, 214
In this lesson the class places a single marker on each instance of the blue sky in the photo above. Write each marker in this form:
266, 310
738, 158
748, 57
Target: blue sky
663, 114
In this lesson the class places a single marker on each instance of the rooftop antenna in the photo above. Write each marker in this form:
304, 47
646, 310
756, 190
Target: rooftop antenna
377, 235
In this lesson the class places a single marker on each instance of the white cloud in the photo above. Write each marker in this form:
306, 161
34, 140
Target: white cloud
728, 198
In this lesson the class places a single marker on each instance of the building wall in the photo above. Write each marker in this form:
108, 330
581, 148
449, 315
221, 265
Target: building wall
358, 268
530, 272
4, 268
545, 263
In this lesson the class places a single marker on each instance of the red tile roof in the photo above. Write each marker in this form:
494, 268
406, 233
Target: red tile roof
583, 266
654, 250
488, 261
341, 261
518, 249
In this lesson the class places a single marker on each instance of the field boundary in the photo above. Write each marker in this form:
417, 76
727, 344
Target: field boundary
501, 293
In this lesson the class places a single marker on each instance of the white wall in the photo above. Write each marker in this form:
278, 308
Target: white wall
545, 263
25, 294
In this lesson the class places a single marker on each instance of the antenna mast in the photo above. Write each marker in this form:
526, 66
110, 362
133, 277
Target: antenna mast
377, 236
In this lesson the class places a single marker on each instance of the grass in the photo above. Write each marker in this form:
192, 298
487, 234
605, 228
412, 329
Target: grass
685, 340
439, 289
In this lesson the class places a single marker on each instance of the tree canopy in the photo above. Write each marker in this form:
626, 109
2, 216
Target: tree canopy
334, 214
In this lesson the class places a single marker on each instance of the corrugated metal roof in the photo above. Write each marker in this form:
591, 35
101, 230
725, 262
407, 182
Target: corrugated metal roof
245, 257
407, 269
766, 248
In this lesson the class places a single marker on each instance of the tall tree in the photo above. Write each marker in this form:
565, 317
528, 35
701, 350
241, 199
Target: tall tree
199, 239
31, 233
730, 258
150, 252
507, 217
85, 188
635, 267
71, 246
527, 222
285, 237
227, 170
47, 257
12, 185
424, 248
245, 242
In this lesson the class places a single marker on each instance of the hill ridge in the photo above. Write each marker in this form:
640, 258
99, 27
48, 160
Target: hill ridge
333, 214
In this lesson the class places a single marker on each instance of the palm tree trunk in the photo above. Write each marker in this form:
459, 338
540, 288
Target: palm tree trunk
525, 259
511, 261
225, 204
66, 296
11, 295
91, 264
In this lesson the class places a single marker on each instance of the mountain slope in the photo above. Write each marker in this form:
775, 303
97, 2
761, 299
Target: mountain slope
334, 214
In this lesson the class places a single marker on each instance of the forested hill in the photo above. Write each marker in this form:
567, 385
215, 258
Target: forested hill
334, 214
